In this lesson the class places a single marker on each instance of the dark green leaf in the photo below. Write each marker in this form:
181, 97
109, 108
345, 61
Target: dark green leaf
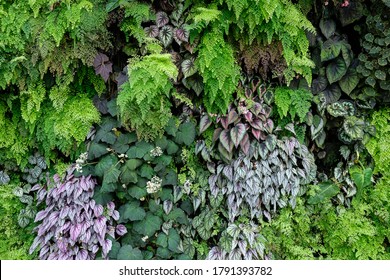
186, 133
131, 211
336, 70
122, 142
129, 253
328, 27
96, 150
146, 171
173, 241
149, 225
349, 82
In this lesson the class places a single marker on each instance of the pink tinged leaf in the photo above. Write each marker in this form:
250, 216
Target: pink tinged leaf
86, 237
249, 116
121, 230
269, 126
83, 184
242, 245
232, 116
181, 35
256, 133
161, 19
53, 256
224, 122
41, 195
245, 144
82, 255
98, 210
151, 31
92, 204
257, 124
40, 216
267, 110
64, 212
226, 141
115, 215
216, 134
48, 237
237, 133
103, 66
77, 192
57, 178
204, 123
100, 225
75, 231
111, 205
256, 109
62, 244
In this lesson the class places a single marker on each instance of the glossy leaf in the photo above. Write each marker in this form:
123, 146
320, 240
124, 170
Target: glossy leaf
336, 70
166, 35
237, 133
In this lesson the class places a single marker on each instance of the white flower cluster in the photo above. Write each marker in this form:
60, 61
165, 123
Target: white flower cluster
80, 161
156, 152
145, 238
153, 185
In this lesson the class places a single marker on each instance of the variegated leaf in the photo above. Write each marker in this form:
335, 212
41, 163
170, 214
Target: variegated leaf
166, 35
188, 67
237, 133
161, 19
152, 31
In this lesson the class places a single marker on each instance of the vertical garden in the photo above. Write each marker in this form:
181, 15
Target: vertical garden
188, 129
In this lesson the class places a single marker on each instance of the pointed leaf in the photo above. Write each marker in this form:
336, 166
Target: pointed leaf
336, 70
328, 27
204, 123
349, 82
327, 190
237, 133
188, 67
226, 141
152, 31
161, 19
166, 35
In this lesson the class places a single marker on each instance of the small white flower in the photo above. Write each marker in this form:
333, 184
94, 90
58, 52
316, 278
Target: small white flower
154, 185
142, 199
145, 238
156, 152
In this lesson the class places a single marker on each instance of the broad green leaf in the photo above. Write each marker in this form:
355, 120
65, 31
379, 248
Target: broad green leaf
96, 150
131, 211
349, 82
131, 164
146, 171
332, 94
328, 27
336, 70
129, 176
188, 67
139, 150
162, 240
319, 84
171, 128
122, 142
163, 253
327, 191
186, 133
172, 148
137, 192
127, 252
173, 241
105, 164
362, 178
149, 225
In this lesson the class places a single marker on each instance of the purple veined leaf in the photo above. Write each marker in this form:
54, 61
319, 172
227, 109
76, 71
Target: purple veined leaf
77, 191
242, 245
92, 204
53, 217
237, 133
82, 255
64, 212
37, 241
290, 145
53, 256
40, 216
256, 109
83, 184
91, 183
111, 231
57, 179
69, 188
72, 212
36, 187
211, 167
228, 172
45, 249
167, 206
100, 225
115, 215
41, 195
204, 123
110, 207
232, 116
98, 210
245, 144
161, 19
62, 244
103, 66
94, 249
257, 124
107, 245
216, 134
121, 230
226, 141
75, 231
224, 122
152, 31
249, 116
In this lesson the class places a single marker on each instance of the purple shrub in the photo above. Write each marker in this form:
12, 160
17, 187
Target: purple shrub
73, 226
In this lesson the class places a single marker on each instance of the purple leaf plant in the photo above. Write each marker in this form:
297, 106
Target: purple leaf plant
73, 226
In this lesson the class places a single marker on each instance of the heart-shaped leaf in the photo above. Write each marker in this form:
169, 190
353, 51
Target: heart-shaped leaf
204, 123
328, 27
103, 66
161, 19
188, 67
237, 133
349, 82
336, 70
152, 31
226, 140
166, 35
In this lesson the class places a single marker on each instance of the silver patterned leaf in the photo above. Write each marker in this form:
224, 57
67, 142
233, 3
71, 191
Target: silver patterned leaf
161, 19
166, 35
167, 206
18, 191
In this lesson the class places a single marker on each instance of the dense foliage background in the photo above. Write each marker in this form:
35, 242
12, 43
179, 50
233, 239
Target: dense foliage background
188, 129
